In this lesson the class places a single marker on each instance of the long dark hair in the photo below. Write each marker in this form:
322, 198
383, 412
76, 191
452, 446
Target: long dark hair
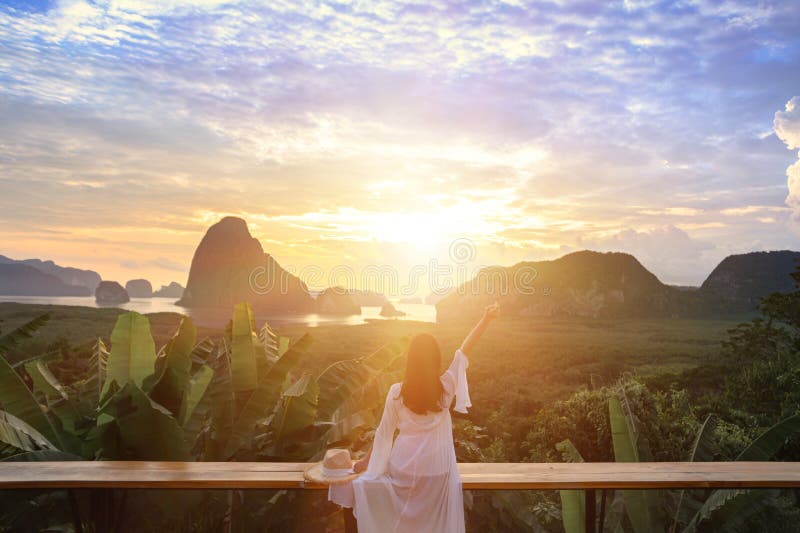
422, 391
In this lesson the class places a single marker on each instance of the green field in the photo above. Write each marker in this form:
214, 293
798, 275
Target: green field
519, 366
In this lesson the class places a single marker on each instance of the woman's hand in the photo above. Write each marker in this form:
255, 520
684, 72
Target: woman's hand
361, 465
491, 312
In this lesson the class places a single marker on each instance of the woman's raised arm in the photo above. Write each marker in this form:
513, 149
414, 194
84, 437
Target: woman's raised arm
489, 314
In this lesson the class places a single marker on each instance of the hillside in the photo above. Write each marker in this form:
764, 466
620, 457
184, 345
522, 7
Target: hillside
17, 279
613, 284
68, 275
740, 281
585, 284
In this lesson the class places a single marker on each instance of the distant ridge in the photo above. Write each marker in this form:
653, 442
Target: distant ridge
740, 281
173, 290
18, 279
614, 284
68, 275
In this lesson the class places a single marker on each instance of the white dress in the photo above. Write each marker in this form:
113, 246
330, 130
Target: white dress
412, 484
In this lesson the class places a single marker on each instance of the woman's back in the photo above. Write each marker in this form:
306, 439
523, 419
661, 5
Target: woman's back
412, 483
424, 442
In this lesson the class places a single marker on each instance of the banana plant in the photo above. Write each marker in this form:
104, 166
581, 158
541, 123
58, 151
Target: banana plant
133, 352
18, 401
114, 412
192, 400
573, 502
727, 509
641, 506
724, 509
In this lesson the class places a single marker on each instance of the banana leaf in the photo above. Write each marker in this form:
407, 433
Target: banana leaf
640, 505
296, 411
728, 505
197, 388
573, 502
16, 399
145, 429
90, 388
203, 352
220, 400
515, 511
263, 400
274, 345
342, 431
133, 353
703, 449
728, 509
16, 434
173, 386
25, 331
56, 396
45, 382
770, 442
244, 371
357, 381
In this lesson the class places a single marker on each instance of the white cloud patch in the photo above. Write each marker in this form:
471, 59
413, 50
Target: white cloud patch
667, 251
787, 127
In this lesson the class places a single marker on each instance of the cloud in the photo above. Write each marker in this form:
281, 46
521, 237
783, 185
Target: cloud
787, 127
667, 251
129, 125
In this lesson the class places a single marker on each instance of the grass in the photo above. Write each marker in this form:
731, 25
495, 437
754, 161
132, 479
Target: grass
545, 360
520, 365
542, 359
76, 326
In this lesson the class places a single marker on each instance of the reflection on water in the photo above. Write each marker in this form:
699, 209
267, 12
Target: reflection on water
219, 317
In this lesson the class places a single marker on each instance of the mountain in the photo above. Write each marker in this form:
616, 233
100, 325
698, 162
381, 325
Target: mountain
18, 279
111, 293
337, 301
68, 275
173, 290
585, 283
229, 266
613, 284
139, 288
739, 282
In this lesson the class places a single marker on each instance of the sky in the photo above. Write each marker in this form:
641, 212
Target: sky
358, 134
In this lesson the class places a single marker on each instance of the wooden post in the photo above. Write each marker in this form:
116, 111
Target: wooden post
602, 518
590, 511
76, 511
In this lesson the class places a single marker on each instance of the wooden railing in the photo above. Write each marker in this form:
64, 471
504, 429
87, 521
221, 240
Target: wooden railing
474, 476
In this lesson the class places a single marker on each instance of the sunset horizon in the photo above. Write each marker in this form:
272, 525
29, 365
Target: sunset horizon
531, 131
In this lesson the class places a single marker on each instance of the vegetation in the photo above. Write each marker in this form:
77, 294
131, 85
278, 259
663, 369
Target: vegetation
555, 390
242, 398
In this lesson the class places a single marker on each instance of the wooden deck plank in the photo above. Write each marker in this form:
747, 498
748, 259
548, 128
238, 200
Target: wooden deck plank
489, 476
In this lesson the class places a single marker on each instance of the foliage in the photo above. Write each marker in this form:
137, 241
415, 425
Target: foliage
188, 401
25, 331
573, 502
534, 385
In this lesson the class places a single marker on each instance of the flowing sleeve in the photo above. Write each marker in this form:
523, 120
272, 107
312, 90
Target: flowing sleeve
455, 382
384, 437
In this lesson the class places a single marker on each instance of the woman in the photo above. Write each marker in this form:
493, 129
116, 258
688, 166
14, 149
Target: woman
412, 483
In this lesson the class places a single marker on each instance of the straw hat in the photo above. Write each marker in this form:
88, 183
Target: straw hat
335, 468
